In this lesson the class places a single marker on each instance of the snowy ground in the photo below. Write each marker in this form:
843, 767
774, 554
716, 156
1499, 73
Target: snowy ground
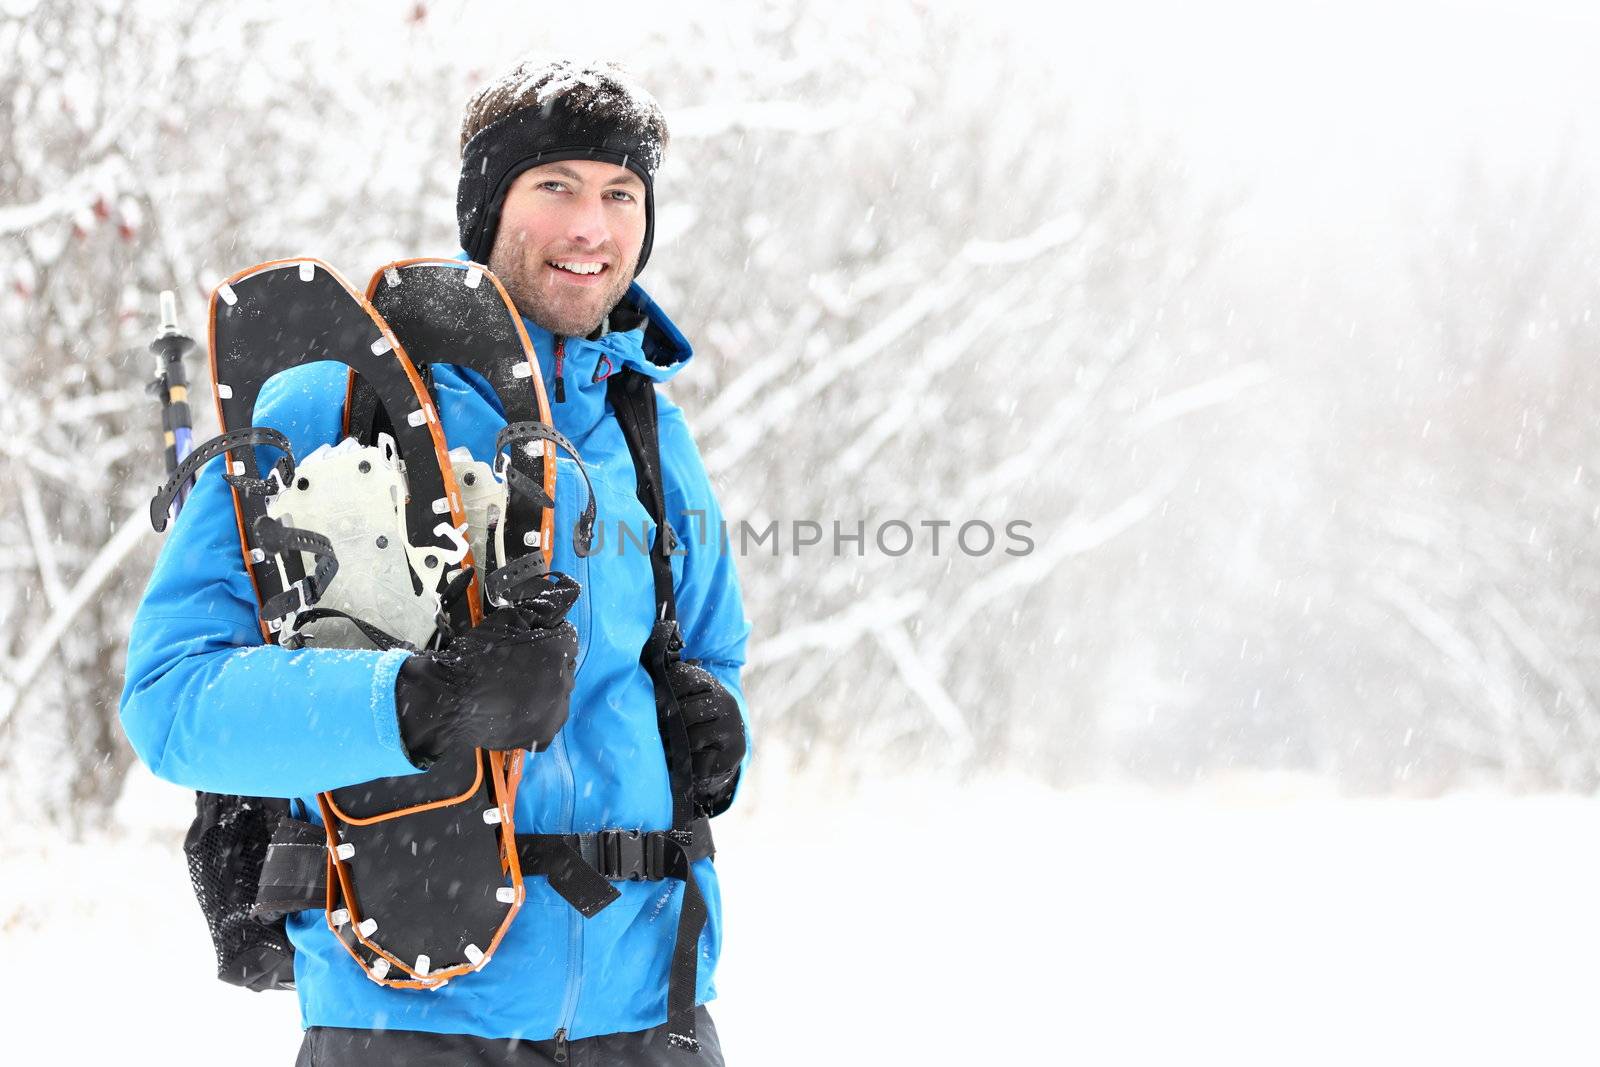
996, 923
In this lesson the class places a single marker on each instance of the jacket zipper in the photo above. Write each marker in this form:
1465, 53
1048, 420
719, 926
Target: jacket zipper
569, 1001
561, 1045
561, 381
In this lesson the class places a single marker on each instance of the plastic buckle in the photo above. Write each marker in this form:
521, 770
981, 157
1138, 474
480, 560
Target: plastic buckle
622, 855
655, 856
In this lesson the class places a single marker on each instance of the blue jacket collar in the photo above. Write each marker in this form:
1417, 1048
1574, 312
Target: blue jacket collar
665, 349
656, 349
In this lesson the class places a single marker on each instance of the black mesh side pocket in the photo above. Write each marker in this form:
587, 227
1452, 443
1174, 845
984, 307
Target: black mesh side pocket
225, 847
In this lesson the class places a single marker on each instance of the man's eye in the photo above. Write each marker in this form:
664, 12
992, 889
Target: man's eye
552, 185
622, 194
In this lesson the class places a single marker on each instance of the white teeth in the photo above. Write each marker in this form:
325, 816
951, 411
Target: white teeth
581, 268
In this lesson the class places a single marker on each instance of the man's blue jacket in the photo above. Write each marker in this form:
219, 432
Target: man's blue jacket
209, 705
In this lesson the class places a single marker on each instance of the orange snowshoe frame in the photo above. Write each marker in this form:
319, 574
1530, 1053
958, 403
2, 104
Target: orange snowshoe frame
385, 838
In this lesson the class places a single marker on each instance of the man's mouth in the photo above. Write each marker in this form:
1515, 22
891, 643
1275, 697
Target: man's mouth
577, 267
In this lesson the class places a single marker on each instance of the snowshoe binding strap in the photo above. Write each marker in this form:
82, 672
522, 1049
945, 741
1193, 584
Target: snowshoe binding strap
517, 433
503, 581
454, 593
277, 539
381, 640
239, 475
527, 488
301, 598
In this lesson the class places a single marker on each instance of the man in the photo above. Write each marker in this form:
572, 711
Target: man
557, 196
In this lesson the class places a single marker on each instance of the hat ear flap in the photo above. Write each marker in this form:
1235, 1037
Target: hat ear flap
649, 226
471, 193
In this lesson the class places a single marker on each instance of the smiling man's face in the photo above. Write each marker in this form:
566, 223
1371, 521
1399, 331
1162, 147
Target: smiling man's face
569, 240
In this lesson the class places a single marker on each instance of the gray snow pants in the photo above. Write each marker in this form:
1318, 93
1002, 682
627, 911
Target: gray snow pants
327, 1046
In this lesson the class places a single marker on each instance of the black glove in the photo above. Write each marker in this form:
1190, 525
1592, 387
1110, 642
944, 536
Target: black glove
716, 734
502, 685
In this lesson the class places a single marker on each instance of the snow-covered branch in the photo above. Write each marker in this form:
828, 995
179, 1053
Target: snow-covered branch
1187, 401
839, 631
39, 537
922, 678
99, 180
41, 646
1013, 579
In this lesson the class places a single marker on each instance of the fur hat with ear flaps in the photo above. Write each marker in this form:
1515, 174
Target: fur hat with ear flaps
540, 113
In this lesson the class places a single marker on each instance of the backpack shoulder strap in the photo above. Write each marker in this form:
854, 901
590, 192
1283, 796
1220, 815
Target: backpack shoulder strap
633, 399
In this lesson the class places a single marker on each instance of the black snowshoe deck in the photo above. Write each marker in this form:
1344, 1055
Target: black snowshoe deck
423, 876
456, 313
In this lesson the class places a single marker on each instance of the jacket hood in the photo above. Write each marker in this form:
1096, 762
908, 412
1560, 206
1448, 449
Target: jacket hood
662, 346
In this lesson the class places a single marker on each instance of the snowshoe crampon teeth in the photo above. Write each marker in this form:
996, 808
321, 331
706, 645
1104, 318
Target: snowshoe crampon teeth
474, 955
379, 968
339, 917
423, 966
367, 927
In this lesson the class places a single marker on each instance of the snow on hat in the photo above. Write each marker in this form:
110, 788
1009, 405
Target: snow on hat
540, 113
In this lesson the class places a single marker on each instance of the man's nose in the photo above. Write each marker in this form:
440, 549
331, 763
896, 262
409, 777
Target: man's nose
586, 224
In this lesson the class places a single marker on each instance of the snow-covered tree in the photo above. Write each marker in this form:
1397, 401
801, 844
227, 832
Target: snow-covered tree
917, 297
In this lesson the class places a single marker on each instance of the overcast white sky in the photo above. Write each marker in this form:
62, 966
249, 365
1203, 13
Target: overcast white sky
1336, 113
1330, 113
1329, 127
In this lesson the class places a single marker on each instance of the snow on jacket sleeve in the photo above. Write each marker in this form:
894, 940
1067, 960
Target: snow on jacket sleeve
710, 607
207, 703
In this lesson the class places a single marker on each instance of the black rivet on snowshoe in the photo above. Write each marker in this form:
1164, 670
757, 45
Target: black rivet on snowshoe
364, 466
302, 483
470, 479
430, 561
383, 542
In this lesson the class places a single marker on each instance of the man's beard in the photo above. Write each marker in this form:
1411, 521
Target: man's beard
518, 269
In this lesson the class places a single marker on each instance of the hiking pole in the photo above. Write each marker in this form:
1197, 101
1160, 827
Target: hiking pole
171, 387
